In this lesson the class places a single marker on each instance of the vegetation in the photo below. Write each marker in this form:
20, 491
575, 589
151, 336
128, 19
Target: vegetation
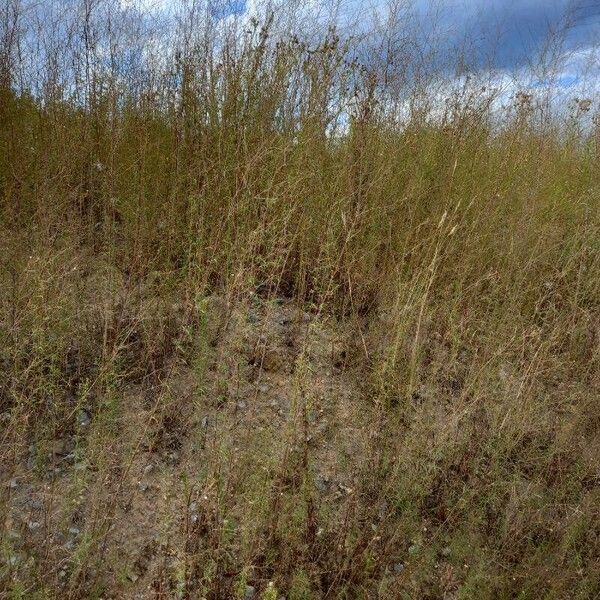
432, 242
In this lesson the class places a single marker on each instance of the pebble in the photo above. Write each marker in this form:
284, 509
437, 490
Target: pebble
14, 535
250, 592
84, 418
35, 504
60, 447
321, 483
14, 560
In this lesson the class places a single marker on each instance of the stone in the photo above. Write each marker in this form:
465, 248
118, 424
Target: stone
84, 418
14, 535
61, 448
250, 592
321, 483
35, 504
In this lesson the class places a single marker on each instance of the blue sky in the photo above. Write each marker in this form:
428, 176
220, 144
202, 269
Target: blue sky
512, 31
503, 36
506, 32
225, 8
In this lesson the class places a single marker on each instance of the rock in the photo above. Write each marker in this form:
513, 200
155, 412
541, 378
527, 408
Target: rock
241, 405
250, 592
383, 509
84, 418
148, 469
345, 489
61, 447
35, 504
33, 525
264, 388
321, 483
204, 422
13, 484
398, 568
74, 531
272, 361
143, 487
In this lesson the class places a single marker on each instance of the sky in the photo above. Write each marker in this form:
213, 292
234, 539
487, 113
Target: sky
503, 34
503, 38
511, 31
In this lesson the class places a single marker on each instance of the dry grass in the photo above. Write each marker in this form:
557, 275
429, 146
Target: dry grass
358, 346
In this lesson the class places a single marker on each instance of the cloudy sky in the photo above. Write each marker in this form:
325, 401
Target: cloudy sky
503, 39
505, 34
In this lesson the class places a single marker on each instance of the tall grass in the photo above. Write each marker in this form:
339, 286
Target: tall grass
144, 170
